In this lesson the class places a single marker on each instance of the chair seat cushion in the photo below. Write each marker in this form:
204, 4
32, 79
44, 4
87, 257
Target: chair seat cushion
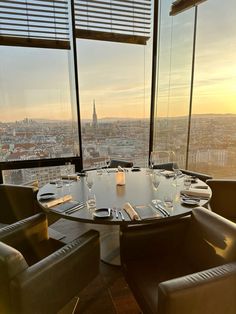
144, 276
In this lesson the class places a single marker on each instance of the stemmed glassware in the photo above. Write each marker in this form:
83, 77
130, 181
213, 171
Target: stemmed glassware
107, 162
155, 183
175, 168
68, 169
91, 199
89, 180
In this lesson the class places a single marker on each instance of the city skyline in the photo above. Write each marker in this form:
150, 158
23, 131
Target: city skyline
113, 73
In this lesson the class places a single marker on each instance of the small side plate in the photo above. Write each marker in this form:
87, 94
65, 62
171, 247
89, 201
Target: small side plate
102, 213
47, 196
189, 202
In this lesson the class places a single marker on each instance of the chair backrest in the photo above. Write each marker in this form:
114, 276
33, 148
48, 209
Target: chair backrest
212, 238
17, 202
223, 200
167, 166
202, 176
122, 163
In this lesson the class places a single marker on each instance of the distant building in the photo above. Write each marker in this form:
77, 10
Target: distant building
95, 119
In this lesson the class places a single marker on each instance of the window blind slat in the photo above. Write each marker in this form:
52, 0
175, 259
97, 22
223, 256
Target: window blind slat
113, 20
91, 17
31, 3
114, 5
102, 14
31, 21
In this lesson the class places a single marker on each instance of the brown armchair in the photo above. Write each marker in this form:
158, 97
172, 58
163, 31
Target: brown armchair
169, 166
223, 200
39, 274
182, 266
122, 163
17, 202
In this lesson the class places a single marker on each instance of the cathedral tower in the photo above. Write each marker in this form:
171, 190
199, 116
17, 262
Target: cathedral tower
95, 119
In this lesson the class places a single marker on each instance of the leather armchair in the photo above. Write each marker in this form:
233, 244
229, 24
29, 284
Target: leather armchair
202, 176
122, 163
17, 202
184, 266
169, 166
223, 200
39, 274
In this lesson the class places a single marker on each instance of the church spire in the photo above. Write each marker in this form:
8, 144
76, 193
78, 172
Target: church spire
95, 120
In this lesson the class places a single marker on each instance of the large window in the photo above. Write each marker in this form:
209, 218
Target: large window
114, 82
213, 118
38, 118
175, 47
213, 137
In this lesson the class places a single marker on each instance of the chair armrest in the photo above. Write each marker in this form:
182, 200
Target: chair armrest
194, 293
34, 227
147, 240
58, 277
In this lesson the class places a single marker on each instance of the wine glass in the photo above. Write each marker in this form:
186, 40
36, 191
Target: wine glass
152, 159
107, 162
89, 180
160, 159
155, 184
68, 169
175, 168
155, 180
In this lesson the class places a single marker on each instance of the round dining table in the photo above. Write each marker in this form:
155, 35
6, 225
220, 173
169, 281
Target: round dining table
138, 191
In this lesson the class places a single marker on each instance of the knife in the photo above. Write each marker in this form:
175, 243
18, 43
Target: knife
162, 210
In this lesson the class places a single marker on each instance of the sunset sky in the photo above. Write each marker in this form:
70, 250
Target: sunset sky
35, 83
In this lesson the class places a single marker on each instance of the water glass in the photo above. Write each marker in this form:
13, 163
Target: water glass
168, 199
91, 201
187, 182
59, 186
89, 180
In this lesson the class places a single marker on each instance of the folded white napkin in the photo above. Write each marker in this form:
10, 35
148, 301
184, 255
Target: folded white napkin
197, 192
58, 201
168, 173
131, 212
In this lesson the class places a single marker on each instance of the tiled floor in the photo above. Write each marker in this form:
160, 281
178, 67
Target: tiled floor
108, 293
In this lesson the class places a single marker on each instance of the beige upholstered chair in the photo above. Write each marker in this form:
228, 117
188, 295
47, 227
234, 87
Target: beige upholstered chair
184, 266
40, 275
223, 200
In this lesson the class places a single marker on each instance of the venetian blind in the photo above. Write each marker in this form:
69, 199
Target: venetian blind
179, 6
113, 20
34, 23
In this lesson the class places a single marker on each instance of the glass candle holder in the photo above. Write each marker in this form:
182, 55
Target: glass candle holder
120, 178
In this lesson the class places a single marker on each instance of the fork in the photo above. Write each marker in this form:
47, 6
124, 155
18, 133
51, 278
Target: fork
115, 211
74, 209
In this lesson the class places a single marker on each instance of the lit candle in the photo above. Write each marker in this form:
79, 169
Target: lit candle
120, 178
